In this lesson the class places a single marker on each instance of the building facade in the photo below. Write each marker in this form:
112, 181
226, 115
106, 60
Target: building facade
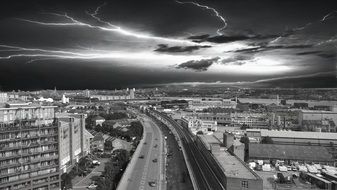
200, 104
73, 140
29, 148
3, 97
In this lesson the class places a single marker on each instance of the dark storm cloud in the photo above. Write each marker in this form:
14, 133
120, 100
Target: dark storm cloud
229, 38
178, 49
198, 65
308, 53
199, 37
237, 60
327, 55
262, 48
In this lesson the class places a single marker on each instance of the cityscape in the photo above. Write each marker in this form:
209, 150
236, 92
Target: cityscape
168, 95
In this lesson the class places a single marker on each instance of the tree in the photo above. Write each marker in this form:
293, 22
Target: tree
66, 181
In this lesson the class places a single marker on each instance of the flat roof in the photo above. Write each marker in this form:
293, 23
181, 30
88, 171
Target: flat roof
295, 134
209, 139
293, 152
317, 111
230, 165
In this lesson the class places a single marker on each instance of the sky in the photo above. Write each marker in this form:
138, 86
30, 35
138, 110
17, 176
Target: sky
124, 43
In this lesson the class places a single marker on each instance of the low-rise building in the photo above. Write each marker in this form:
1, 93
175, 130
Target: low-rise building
235, 174
200, 104
98, 120
328, 140
3, 97
290, 154
195, 125
316, 115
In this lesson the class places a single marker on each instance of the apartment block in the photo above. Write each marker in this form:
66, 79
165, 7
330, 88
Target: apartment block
29, 148
74, 140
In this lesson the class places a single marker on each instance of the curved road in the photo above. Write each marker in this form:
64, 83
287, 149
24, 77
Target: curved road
141, 171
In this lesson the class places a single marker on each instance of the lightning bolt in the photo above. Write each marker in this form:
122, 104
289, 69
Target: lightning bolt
217, 14
71, 21
328, 16
297, 29
36, 54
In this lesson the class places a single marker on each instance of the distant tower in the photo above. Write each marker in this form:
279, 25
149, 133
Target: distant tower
278, 120
127, 89
132, 94
273, 119
87, 93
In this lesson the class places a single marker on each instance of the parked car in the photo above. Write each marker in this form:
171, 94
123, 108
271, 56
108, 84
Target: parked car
152, 184
141, 156
96, 162
155, 160
92, 186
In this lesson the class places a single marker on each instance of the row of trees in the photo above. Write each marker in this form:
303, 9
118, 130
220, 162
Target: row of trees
135, 130
89, 121
113, 171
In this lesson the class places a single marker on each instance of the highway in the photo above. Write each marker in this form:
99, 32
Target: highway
203, 173
148, 162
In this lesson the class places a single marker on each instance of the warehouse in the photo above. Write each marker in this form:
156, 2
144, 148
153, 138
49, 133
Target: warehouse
290, 153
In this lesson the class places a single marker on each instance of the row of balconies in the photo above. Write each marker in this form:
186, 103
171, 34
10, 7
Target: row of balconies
20, 180
29, 138
28, 161
3, 147
27, 154
19, 171
6, 128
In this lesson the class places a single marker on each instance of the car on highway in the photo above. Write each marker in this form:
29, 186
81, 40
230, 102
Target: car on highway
145, 142
155, 160
155, 146
152, 183
141, 156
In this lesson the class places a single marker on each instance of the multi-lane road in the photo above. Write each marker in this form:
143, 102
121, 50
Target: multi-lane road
146, 169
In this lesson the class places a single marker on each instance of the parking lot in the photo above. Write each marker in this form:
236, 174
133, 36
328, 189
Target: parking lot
81, 183
270, 184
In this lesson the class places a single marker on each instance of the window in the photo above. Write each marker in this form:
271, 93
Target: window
244, 184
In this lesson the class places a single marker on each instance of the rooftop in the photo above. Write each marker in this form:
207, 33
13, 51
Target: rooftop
231, 165
294, 152
294, 134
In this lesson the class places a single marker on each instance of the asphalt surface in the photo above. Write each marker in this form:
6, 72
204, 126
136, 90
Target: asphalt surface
145, 170
176, 170
205, 174
83, 182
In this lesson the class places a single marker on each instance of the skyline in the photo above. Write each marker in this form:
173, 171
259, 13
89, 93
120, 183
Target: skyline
118, 44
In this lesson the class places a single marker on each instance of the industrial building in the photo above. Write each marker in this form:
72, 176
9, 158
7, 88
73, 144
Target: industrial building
195, 125
256, 120
316, 115
200, 104
328, 140
235, 174
290, 153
